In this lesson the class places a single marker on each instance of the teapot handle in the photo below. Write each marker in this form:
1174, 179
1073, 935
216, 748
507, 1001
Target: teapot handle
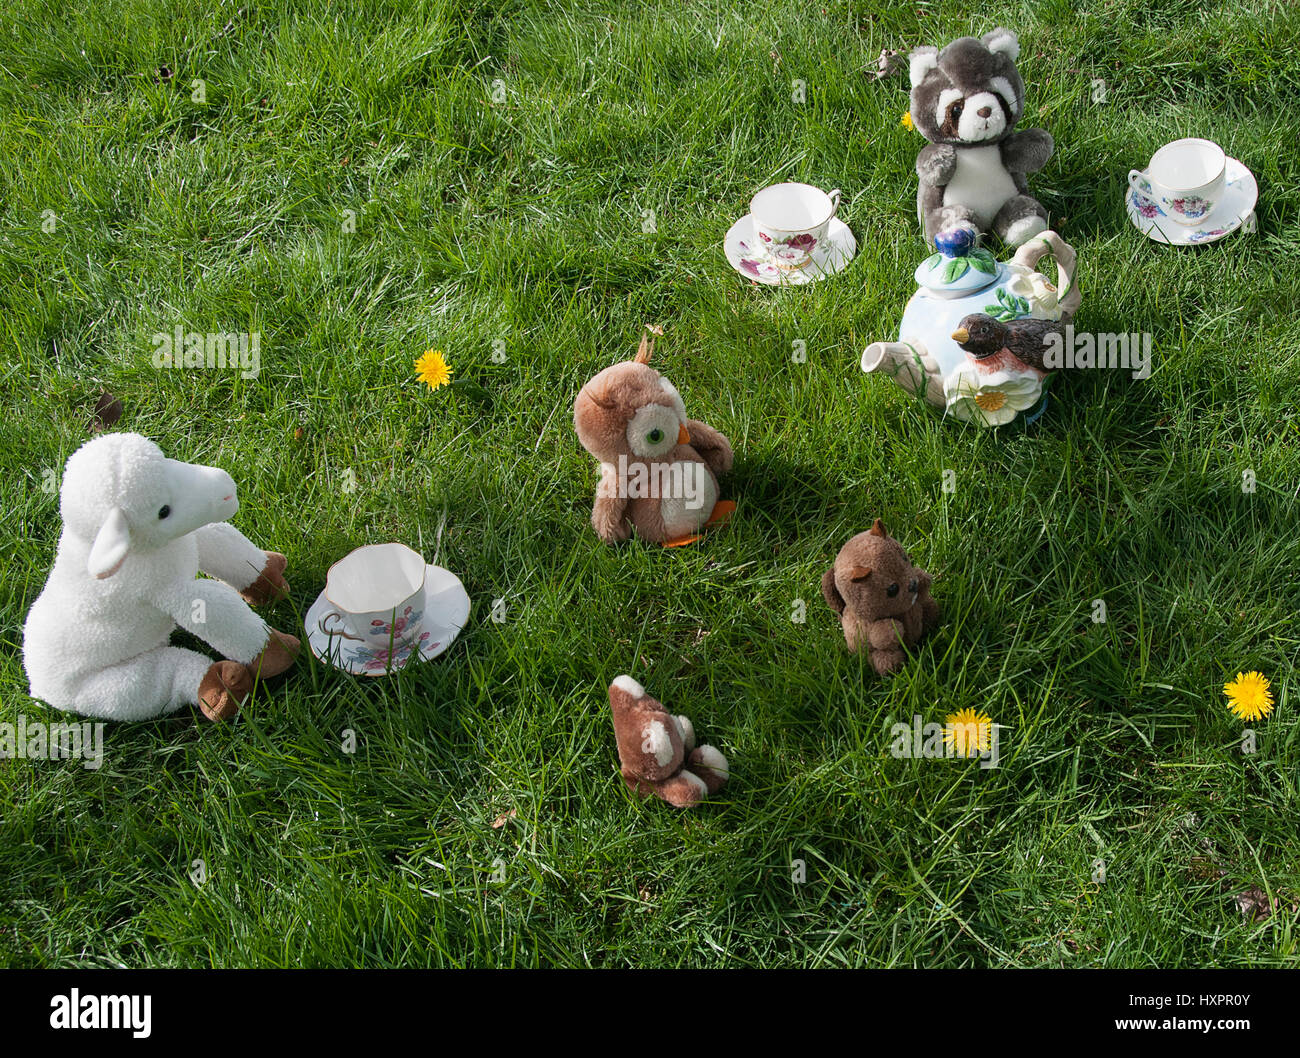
1049, 244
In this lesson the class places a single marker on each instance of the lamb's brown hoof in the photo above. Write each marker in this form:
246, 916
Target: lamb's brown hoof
270, 585
223, 689
277, 656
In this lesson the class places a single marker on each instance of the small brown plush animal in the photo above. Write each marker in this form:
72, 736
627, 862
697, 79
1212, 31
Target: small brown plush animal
657, 467
657, 750
883, 600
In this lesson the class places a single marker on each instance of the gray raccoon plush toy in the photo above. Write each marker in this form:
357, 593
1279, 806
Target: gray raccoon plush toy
966, 101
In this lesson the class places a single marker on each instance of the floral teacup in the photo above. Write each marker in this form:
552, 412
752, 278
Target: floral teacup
376, 595
1184, 181
791, 221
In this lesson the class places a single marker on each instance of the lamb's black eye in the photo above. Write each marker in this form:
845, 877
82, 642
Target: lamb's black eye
892, 590
163, 511
912, 584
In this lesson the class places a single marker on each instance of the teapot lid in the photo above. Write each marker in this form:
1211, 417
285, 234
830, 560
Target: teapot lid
961, 265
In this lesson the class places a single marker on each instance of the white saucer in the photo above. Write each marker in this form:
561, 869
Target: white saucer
1238, 202
446, 609
739, 246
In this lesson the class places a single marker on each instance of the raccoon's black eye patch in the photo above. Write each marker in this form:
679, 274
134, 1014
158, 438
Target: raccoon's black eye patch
892, 590
952, 117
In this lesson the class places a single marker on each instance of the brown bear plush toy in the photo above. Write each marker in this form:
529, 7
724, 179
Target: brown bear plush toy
657, 750
658, 469
883, 600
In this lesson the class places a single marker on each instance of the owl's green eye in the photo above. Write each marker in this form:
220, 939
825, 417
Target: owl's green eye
655, 436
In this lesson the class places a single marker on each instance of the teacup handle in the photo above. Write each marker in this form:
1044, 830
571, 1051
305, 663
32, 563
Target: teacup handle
342, 631
834, 196
1136, 176
1068, 295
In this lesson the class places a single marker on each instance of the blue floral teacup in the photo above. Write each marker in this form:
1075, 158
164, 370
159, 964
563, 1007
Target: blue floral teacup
1184, 181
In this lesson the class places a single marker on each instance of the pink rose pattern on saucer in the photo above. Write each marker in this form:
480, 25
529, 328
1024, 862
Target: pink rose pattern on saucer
382, 659
755, 265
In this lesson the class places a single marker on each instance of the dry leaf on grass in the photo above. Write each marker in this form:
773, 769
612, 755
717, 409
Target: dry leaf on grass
1255, 904
108, 409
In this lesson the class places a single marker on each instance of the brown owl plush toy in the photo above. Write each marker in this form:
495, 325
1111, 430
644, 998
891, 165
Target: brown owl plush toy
883, 600
658, 469
657, 750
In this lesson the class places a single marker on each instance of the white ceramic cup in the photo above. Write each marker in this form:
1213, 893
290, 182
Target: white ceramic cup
1185, 179
376, 595
791, 221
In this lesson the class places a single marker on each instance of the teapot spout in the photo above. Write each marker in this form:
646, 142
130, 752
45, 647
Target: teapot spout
910, 365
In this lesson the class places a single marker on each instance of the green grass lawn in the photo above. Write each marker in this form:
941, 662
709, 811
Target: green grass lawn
516, 226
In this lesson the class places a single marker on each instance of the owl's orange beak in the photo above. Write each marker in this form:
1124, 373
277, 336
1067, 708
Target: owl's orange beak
683, 437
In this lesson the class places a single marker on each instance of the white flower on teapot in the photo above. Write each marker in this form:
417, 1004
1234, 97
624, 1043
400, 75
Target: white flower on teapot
1035, 288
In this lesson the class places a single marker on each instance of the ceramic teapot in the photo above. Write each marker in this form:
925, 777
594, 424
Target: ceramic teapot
961, 279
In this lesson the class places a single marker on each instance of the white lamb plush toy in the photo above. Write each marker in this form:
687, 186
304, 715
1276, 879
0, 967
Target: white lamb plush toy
137, 530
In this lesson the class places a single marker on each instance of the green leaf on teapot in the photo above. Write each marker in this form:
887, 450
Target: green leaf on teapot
1008, 307
933, 260
983, 261
957, 268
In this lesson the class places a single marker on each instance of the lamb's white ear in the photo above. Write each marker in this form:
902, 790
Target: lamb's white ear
1002, 41
112, 542
921, 62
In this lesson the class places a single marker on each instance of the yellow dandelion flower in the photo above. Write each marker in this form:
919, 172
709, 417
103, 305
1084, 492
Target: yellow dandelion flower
906, 120
968, 732
432, 369
1249, 696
